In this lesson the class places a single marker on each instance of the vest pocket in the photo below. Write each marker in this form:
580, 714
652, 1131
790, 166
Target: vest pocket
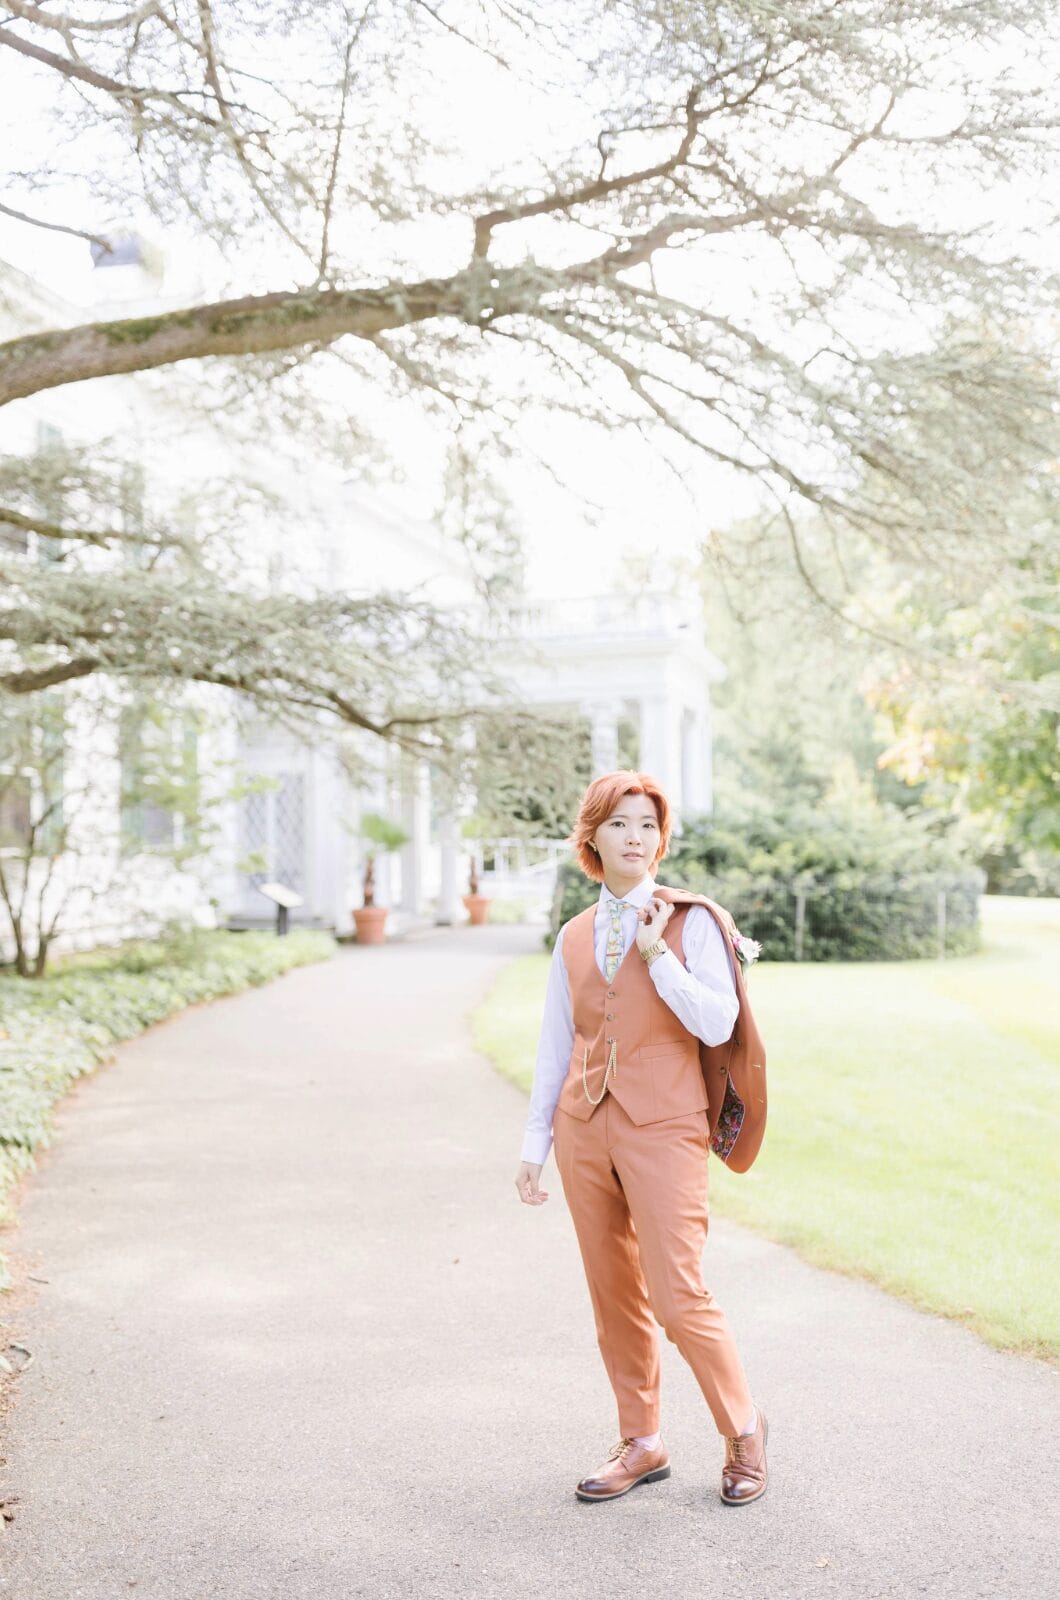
672, 1068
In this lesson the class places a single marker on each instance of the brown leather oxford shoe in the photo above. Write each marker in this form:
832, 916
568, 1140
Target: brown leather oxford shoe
744, 1475
628, 1464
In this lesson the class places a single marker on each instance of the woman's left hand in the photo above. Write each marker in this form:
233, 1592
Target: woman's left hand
653, 919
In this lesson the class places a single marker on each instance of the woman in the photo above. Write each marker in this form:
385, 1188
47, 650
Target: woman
620, 1089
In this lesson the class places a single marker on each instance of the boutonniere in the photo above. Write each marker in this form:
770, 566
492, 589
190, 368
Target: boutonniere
747, 950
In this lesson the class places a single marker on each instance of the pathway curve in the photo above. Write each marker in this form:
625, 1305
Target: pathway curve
300, 1341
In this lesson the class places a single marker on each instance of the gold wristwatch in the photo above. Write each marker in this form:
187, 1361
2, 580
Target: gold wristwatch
654, 950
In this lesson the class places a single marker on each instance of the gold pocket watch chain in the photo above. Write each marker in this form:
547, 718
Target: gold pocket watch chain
612, 1065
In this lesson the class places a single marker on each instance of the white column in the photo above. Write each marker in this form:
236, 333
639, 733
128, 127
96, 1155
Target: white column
415, 817
336, 865
706, 759
695, 759
604, 715
450, 909
660, 743
652, 751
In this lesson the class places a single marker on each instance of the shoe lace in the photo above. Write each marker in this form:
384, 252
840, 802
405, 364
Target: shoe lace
620, 1449
734, 1452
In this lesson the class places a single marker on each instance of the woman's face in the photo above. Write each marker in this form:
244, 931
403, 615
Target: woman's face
628, 841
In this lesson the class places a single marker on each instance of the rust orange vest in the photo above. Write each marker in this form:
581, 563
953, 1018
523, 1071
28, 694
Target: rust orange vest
659, 1068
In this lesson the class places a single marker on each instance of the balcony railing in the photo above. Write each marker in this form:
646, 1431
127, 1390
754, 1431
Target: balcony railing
650, 614
508, 860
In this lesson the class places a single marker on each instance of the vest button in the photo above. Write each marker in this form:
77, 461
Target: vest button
610, 1015
610, 994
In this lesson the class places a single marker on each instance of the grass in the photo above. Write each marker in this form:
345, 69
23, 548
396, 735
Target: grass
912, 1132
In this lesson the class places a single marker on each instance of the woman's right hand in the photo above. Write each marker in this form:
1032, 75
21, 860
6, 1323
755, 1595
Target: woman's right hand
527, 1181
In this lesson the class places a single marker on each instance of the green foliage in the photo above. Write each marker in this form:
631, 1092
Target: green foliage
574, 891
991, 735
160, 596
527, 771
476, 826
1018, 869
870, 877
940, 687
811, 843
382, 831
162, 805
63, 1026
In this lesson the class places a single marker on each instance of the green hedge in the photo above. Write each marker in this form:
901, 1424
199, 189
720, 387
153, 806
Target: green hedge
57, 1028
869, 879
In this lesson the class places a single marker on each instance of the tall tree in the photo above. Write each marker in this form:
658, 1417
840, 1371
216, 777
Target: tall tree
815, 152
739, 229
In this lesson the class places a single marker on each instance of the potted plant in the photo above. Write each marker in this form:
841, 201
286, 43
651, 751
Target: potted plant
383, 835
478, 905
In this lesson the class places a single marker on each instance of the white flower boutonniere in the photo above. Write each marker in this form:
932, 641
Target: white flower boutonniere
747, 950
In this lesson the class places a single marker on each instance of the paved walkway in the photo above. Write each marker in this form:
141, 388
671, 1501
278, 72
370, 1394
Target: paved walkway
300, 1341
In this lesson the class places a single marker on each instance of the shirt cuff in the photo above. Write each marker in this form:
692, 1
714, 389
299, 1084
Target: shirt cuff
536, 1147
665, 969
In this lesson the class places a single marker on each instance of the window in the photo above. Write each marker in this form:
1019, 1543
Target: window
16, 802
51, 749
273, 827
31, 776
49, 438
159, 777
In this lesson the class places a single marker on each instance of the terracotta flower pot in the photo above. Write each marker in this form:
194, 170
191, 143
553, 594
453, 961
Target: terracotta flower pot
370, 922
478, 907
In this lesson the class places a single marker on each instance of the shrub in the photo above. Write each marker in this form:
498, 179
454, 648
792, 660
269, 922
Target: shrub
846, 882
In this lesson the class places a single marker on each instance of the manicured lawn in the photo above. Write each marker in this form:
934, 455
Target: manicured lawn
913, 1128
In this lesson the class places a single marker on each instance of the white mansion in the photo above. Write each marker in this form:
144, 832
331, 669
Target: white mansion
638, 663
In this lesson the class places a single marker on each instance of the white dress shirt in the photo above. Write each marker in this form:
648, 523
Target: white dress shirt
701, 994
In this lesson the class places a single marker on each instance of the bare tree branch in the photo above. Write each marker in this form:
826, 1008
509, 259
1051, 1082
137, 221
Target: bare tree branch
353, 36
101, 537
53, 227
771, 286
255, 324
236, 137
129, 94
31, 680
458, 33
64, 24
600, 189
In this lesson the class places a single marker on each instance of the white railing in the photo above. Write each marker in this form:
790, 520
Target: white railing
523, 871
649, 614
514, 859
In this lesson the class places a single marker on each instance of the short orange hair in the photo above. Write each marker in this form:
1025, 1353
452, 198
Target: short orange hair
597, 804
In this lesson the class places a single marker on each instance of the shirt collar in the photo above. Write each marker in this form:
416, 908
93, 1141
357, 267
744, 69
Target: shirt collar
637, 897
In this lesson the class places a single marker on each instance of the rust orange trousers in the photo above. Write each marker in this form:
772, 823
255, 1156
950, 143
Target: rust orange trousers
638, 1199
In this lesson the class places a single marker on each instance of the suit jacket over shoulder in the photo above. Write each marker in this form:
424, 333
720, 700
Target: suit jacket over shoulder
734, 1072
